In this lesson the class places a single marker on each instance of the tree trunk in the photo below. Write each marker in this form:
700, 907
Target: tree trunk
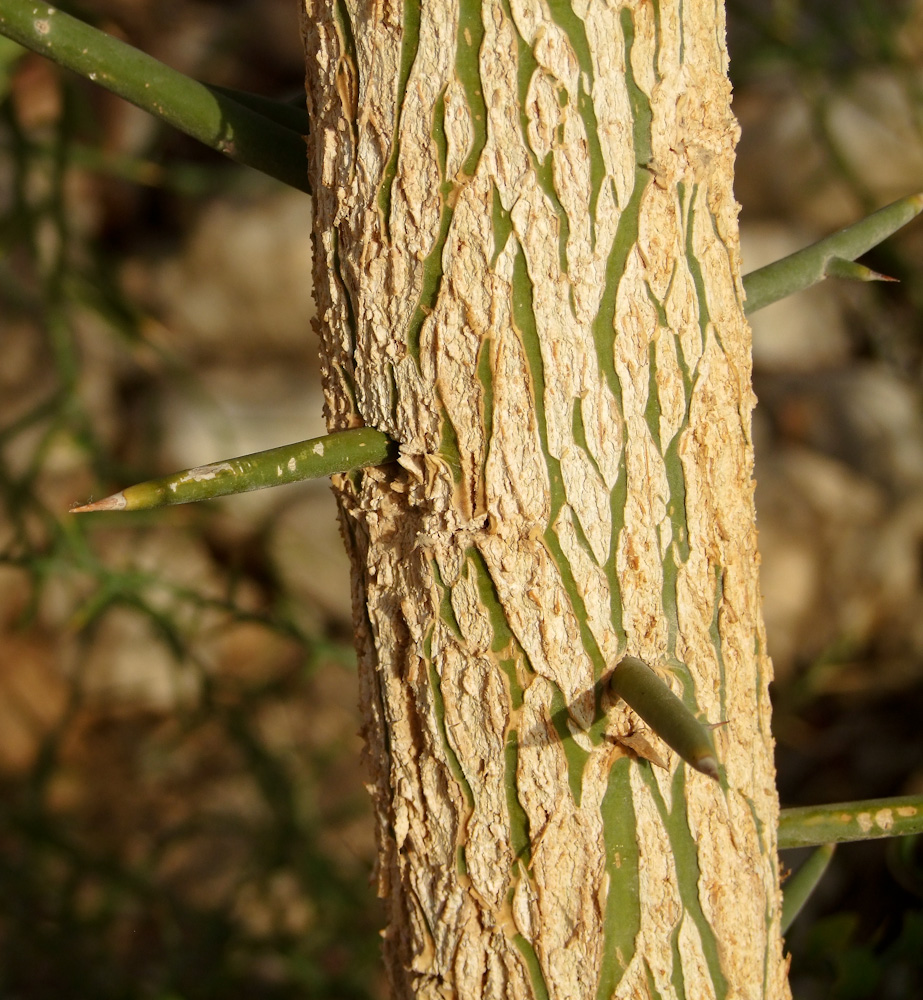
527, 272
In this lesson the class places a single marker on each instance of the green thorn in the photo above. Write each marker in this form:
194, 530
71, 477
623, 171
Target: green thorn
644, 692
809, 266
342, 451
839, 267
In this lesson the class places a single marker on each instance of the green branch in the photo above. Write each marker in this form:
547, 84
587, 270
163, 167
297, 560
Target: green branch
797, 890
829, 258
810, 826
342, 451
269, 143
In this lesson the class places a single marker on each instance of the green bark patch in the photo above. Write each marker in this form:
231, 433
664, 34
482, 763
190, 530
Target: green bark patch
695, 269
544, 173
467, 59
539, 986
578, 432
576, 756
448, 445
569, 582
676, 824
520, 841
622, 916
347, 297
503, 635
432, 279
485, 375
653, 410
502, 226
715, 633
587, 111
640, 103
438, 133
626, 236
526, 65
435, 683
652, 990
564, 15
525, 322
524, 318
446, 611
410, 44
676, 507
668, 596
348, 42
618, 499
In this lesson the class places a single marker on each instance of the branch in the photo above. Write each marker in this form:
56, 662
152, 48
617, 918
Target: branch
829, 257
342, 451
798, 888
211, 115
810, 826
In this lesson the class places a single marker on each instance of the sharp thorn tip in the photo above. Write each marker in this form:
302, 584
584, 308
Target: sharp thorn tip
708, 766
115, 502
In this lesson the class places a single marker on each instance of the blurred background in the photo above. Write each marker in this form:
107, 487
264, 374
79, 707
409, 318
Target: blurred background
181, 804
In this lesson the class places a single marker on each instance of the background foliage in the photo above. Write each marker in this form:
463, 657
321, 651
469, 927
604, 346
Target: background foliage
183, 814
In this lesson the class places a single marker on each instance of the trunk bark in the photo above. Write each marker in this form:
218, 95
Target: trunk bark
526, 265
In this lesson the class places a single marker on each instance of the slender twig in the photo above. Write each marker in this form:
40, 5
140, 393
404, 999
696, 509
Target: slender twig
797, 890
810, 826
207, 114
313, 459
826, 258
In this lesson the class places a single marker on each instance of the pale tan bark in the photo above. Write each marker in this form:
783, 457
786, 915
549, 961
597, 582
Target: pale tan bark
484, 565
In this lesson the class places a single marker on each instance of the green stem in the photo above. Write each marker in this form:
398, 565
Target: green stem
807, 267
810, 826
313, 459
797, 890
294, 117
209, 115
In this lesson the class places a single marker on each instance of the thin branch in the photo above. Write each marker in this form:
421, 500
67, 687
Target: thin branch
208, 114
811, 826
797, 890
827, 257
342, 451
